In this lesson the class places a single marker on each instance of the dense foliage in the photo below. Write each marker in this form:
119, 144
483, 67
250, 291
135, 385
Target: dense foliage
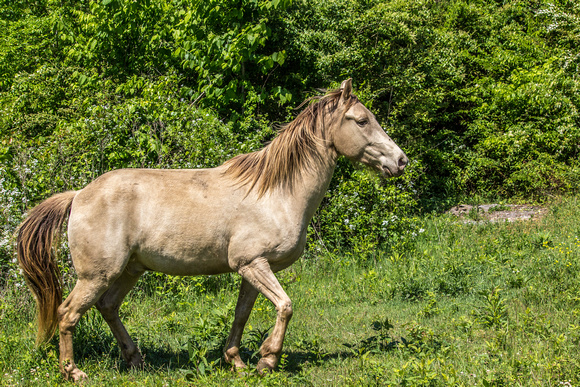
482, 95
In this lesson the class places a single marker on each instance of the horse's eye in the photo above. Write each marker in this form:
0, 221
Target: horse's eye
362, 122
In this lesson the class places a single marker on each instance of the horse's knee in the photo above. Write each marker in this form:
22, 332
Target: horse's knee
285, 310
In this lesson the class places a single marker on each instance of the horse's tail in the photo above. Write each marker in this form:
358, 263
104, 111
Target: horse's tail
36, 237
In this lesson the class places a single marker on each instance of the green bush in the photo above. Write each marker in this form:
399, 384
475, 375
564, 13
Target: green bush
453, 81
363, 213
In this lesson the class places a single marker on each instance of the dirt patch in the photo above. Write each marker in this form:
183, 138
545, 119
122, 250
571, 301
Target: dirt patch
497, 212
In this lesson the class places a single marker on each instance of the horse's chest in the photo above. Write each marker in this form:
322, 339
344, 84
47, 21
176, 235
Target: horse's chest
287, 248
280, 243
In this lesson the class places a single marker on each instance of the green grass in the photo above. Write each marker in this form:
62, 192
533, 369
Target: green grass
486, 305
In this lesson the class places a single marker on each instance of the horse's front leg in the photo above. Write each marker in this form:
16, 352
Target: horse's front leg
259, 274
244, 306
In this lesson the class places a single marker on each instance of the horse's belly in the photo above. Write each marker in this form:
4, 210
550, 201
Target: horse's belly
178, 257
182, 264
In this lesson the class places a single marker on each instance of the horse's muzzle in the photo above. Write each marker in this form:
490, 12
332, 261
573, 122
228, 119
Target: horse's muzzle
397, 170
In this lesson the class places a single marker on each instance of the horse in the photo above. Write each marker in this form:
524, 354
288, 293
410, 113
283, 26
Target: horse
249, 215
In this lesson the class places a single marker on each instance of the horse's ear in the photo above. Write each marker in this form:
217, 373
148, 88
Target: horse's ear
346, 87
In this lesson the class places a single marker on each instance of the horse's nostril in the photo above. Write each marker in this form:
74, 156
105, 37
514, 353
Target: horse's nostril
403, 161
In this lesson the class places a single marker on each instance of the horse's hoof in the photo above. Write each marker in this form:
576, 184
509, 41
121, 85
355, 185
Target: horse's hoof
136, 362
265, 366
241, 372
77, 375
235, 360
133, 358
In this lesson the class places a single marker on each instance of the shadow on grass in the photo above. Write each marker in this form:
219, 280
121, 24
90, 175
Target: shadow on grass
156, 357
297, 360
99, 345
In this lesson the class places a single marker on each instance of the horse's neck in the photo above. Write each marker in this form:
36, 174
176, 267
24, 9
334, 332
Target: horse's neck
310, 188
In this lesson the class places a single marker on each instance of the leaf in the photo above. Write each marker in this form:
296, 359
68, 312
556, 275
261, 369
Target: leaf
187, 17
6, 154
279, 57
251, 39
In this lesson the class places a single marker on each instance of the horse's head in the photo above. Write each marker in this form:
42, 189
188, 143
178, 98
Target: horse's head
359, 137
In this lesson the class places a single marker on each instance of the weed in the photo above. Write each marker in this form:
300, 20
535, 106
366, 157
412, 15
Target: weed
420, 339
431, 309
312, 347
377, 343
253, 341
542, 240
475, 214
493, 313
499, 207
209, 335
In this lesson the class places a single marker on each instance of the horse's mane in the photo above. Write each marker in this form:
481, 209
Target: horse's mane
292, 150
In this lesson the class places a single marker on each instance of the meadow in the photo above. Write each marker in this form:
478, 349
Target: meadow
467, 304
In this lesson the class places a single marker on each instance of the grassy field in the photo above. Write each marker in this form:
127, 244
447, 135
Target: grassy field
466, 304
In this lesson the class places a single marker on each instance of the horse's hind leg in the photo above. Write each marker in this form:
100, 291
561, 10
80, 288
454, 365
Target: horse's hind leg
109, 305
244, 306
82, 298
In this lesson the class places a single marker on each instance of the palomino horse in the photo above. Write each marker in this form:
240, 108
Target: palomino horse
248, 216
